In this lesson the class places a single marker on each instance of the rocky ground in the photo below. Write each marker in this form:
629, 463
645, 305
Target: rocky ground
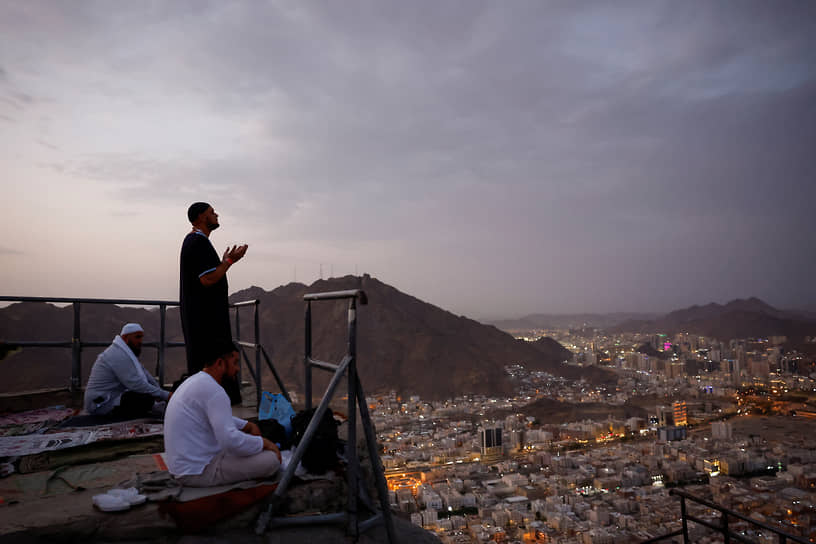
55, 505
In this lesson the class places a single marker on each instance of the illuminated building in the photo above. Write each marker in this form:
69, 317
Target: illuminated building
680, 413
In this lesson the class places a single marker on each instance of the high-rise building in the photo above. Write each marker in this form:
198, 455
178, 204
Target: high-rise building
669, 434
680, 413
675, 369
736, 373
665, 416
758, 368
490, 439
721, 430
515, 439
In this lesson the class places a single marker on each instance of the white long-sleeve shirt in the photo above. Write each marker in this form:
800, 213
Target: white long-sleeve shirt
116, 370
198, 424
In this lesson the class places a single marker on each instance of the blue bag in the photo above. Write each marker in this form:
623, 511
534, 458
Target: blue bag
275, 406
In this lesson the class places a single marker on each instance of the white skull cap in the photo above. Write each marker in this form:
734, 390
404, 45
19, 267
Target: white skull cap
130, 328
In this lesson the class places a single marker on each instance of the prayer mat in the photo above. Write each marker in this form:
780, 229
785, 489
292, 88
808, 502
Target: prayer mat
17, 446
90, 420
33, 421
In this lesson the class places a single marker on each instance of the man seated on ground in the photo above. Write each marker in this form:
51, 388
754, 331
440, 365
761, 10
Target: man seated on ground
119, 385
205, 445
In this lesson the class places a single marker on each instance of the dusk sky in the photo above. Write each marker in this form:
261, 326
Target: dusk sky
493, 158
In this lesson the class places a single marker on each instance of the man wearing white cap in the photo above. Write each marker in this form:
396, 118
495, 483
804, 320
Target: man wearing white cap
119, 385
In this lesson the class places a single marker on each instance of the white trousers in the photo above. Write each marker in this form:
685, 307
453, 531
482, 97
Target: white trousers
227, 469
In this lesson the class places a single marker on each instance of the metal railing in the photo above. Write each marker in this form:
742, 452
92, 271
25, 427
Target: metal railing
723, 527
77, 344
357, 494
259, 350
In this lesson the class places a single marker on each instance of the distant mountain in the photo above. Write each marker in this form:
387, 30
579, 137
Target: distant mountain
553, 350
740, 318
34, 368
567, 321
403, 343
802, 313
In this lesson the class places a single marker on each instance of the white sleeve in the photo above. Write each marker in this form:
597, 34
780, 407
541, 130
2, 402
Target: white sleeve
228, 436
239, 423
133, 380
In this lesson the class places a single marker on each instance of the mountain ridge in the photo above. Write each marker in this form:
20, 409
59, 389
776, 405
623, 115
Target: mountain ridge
403, 343
738, 318
563, 321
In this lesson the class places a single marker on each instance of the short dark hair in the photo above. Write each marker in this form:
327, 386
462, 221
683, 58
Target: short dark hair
196, 209
220, 349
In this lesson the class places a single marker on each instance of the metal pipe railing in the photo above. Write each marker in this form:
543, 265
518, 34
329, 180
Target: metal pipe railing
77, 344
724, 526
356, 400
353, 295
260, 352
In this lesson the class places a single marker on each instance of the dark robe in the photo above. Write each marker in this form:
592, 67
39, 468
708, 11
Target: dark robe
204, 310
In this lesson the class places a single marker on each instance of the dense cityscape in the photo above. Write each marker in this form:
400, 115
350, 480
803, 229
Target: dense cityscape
417, 272
731, 423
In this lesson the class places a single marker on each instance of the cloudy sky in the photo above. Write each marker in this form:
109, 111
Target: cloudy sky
493, 158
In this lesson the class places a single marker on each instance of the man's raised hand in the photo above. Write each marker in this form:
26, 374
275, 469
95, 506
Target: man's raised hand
235, 253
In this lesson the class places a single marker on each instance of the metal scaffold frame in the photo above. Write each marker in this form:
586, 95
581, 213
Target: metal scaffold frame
357, 494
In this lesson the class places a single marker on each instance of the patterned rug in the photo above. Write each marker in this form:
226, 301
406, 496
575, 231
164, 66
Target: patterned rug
16, 446
33, 421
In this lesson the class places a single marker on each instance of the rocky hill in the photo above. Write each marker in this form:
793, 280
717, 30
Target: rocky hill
552, 349
740, 318
567, 321
403, 344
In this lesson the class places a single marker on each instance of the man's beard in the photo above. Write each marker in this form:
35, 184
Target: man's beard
137, 350
212, 226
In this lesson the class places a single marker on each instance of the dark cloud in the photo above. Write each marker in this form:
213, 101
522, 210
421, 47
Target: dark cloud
635, 156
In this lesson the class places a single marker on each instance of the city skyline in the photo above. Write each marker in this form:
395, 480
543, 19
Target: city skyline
493, 160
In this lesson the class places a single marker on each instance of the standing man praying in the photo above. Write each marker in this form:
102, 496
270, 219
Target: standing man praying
203, 293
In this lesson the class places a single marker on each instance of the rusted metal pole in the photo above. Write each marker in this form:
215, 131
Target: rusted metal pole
162, 342
351, 444
76, 353
258, 377
307, 396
